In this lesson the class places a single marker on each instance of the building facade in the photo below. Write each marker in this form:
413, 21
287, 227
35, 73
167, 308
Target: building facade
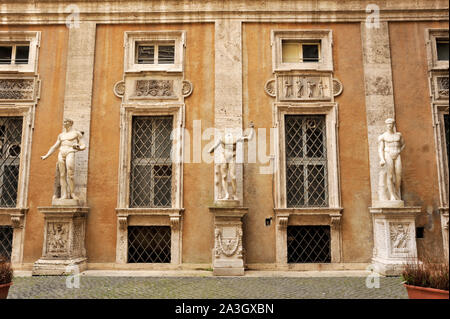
151, 85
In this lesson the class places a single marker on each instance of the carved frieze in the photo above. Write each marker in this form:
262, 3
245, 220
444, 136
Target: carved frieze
57, 238
440, 87
304, 88
161, 89
17, 89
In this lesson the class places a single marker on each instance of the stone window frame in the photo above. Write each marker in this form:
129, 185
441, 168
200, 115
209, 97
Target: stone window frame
18, 37
330, 215
307, 35
16, 215
431, 36
171, 216
133, 38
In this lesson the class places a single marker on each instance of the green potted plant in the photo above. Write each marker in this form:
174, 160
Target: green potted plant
426, 280
6, 275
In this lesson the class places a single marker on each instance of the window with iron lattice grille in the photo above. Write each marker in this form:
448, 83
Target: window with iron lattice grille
151, 164
447, 136
6, 238
306, 161
149, 244
10, 147
308, 244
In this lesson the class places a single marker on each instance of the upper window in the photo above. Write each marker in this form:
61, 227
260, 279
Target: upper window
437, 49
298, 52
442, 49
154, 51
14, 54
18, 51
302, 50
155, 54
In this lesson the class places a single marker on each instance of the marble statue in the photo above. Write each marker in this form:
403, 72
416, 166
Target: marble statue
390, 144
227, 161
69, 142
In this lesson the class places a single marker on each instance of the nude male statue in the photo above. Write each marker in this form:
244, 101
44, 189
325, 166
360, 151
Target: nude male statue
69, 142
390, 144
227, 160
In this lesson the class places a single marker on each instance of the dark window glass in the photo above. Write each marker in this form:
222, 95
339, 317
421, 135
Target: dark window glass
166, 54
10, 142
447, 137
442, 50
146, 54
306, 161
310, 52
5, 54
22, 53
6, 238
149, 244
308, 244
151, 164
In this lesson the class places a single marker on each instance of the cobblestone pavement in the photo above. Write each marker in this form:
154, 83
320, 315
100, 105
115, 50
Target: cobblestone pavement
54, 287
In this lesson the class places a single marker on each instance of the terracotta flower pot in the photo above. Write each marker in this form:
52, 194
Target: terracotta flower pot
4, 290
416, 292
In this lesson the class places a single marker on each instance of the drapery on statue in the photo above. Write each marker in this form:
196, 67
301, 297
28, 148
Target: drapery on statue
390, 144
227, 160
69, 142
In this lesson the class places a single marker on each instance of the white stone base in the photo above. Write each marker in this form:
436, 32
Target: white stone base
227, 203
389, 203
52, 267
394, 230
65, 202
64, 241
228, 252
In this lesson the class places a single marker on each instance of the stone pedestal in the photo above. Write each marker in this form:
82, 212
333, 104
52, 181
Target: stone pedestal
228, 254
64, 240
394, 231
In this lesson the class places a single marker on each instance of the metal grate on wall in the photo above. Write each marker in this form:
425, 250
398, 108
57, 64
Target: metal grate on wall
308, 244
306, 161
149, 244
6, 238
10, 149
151, 164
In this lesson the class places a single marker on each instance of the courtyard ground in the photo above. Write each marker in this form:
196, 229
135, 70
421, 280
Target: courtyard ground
202, 285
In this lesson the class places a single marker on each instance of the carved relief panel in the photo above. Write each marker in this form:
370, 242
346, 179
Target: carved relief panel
228, 242
57, 238
440, 87
300, 87
18, 89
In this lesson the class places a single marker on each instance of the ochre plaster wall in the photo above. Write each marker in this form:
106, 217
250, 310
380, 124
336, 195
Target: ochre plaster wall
414, 121
104, 153
353, 155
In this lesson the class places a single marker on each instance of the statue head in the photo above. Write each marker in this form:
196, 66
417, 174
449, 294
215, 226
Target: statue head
390, 122
67, 123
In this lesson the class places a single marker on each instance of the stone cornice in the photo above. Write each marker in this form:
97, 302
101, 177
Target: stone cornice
151, 11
